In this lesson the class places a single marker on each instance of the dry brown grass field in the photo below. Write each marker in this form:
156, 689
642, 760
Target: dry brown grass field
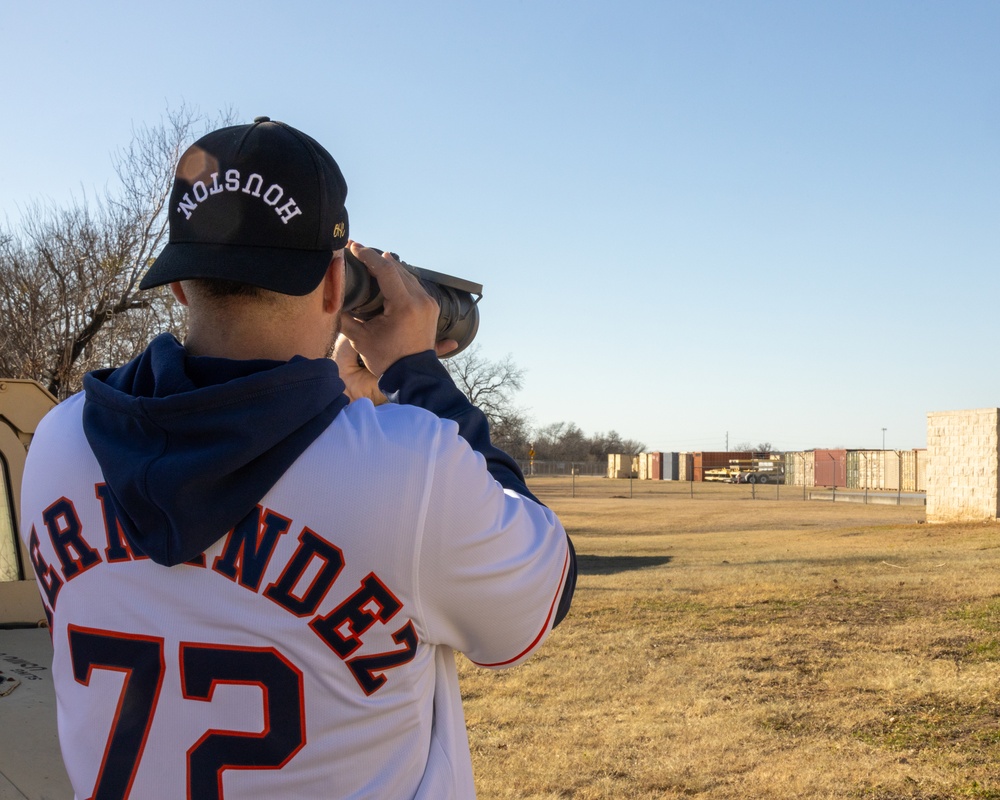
727, 647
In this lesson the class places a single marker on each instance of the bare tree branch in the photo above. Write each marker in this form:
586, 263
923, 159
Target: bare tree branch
490, 386
69, 277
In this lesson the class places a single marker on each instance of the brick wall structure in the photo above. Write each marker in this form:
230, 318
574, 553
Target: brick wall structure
963, 455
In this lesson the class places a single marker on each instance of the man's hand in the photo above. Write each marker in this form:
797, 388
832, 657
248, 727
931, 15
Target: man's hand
407, 325
358, 380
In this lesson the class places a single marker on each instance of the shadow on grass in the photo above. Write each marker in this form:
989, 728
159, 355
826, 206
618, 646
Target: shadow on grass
609, 565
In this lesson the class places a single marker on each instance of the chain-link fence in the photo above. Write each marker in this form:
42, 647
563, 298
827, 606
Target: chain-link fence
535, 467
568, 484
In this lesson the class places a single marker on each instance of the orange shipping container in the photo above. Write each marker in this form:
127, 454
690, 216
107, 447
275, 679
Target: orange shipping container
715, 460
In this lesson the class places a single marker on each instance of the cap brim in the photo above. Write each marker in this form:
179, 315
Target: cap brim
295, 272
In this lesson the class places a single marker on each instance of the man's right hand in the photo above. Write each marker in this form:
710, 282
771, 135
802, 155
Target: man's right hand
408, 322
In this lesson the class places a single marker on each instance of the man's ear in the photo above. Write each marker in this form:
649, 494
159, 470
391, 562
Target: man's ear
333, 284
178, 289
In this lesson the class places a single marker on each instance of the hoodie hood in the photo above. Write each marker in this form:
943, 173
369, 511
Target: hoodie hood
189, 445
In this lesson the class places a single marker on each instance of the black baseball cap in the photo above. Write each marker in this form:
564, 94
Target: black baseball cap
261, 204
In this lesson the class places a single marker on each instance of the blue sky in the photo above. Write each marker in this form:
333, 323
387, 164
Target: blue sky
776, 221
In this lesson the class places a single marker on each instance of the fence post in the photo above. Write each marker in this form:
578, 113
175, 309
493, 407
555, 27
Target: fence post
899, 479
867, 477
834, 478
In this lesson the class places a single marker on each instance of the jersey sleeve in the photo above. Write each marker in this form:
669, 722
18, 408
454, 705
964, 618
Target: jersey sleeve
421, 380
492, 565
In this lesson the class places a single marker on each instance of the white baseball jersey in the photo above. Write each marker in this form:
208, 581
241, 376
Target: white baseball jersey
308, 653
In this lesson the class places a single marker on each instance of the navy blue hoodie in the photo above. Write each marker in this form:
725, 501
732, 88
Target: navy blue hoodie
190, 444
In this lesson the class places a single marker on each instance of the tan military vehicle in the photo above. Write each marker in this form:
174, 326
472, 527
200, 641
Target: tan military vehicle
30, 765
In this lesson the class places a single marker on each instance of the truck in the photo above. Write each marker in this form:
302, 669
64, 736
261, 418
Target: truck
767, 469
31, 766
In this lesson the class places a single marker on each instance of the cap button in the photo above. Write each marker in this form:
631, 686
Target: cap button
261, 119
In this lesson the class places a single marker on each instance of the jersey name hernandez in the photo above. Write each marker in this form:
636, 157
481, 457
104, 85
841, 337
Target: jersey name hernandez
307, 574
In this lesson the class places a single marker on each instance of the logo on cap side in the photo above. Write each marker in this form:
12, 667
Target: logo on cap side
233, 182
338, 230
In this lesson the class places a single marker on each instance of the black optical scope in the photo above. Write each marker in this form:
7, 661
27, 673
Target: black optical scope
457, 298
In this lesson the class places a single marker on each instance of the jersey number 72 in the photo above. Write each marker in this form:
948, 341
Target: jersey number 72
202, 668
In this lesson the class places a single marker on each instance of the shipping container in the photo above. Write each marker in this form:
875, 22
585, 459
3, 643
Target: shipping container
715, 460
800, 468
920, 470
872, 469
885, 470
908, 471
830, 468
671, 466
892, 469
656, 466
685, 466
622, 465
854, 472
809, 467
792, 469
909, 466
